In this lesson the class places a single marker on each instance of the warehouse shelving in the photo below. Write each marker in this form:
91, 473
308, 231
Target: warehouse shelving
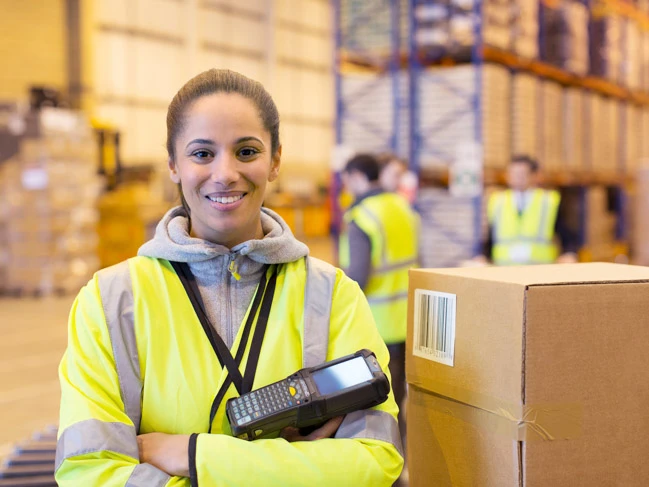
430, 111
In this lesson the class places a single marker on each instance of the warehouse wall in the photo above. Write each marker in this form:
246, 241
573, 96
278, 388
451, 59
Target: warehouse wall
32, 46
146, 49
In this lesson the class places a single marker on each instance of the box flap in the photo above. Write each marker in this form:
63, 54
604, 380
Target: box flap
549, 274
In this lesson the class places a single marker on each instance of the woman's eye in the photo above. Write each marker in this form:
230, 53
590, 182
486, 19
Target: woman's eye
201, 154
248, 152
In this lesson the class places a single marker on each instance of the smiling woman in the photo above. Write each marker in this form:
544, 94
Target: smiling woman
223, 300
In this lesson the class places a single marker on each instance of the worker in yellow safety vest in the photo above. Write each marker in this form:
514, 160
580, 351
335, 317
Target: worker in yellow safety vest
377, 247
523, 221
222, 300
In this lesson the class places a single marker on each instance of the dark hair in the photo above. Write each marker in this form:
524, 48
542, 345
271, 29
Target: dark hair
366, 164
220, 81
523, 159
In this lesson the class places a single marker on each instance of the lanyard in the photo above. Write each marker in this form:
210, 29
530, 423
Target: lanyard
262, 301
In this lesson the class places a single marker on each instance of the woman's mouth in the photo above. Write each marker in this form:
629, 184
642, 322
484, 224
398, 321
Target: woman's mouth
226, 202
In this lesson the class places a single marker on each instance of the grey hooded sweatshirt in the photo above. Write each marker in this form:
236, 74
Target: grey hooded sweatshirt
214, 266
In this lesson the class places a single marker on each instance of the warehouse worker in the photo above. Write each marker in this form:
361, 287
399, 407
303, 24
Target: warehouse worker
143, 388
377, 247
523, 221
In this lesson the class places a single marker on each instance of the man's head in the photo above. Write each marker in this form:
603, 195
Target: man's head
392, 169
361, 174
521, 173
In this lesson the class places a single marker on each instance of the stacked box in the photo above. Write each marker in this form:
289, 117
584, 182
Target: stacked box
630, 131
528, 376
448, 27
575, 46
498, 19
606, 47
445, 124
573, 133
603, 126
49, 192
644, 140
550, 146
526, 28
640, 241
599, 226
449, 234
644, 61
631, 64
525, 107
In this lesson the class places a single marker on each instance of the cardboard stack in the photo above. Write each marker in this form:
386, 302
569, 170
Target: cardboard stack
445, 126
599, 225
575, 18
640, 223
528, 376
448, 228
498, 20
525, 96
526, 28
48, 194
573, 135
632, 126
631, 64
603, 134
606, 46
550, 141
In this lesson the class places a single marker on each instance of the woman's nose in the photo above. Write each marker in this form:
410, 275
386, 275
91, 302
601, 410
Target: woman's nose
224, 169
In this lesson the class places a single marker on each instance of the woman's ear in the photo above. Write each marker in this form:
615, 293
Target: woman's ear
274, 165
173, 173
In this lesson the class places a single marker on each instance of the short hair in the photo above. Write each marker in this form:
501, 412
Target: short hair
385, 158
366, 164
524, 159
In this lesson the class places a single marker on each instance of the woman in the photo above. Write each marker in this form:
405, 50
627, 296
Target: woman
143, 388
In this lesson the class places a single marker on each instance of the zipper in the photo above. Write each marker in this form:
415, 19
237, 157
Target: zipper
232, 269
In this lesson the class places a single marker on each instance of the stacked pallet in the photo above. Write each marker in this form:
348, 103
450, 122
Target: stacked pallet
448, 228
449, 118
603, 134
525, 28
550, 146
606, 46
574, 137
599, 225
631, 135
525, 108
48, 193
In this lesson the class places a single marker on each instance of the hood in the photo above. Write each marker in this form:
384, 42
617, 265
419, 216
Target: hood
173, 242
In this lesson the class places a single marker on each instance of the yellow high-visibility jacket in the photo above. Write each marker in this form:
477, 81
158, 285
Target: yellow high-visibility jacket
525, 238
392, 227
138, 361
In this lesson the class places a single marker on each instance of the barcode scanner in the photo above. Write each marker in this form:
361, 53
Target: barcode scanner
310, 397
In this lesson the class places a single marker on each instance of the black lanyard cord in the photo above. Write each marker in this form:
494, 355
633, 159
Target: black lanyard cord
243, 384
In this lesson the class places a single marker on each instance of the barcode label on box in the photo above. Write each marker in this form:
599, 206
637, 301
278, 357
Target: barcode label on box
434, 327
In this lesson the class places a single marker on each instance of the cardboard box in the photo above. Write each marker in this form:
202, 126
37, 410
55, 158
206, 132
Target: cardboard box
548, 384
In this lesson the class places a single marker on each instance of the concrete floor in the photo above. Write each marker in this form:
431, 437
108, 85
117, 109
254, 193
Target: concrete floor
33, 336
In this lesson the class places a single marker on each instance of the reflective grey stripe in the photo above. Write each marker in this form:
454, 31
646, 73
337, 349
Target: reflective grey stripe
545, 209
146, 475
373, 425
320, 281
368, 212
388, 299
93, 435
116, 292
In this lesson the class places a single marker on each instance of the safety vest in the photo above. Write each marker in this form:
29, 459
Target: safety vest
392, 228
138, 361
527, 238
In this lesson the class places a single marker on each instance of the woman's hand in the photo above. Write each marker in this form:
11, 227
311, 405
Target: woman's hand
327, 430
169, 453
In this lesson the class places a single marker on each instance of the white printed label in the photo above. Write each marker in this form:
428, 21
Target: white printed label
434, 327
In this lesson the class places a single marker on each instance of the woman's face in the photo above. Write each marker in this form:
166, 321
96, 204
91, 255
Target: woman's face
223, 164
